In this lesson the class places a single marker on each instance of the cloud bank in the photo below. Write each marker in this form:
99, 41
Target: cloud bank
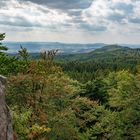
62, 20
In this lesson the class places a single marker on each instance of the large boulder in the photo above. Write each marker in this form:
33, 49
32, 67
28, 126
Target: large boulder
6, 132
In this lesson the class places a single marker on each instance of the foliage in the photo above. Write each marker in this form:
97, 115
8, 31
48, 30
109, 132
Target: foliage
23, 53
21, 122
92, 100
95, 90
2, 48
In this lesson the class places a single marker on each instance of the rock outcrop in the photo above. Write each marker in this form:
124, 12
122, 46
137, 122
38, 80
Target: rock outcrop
6, 132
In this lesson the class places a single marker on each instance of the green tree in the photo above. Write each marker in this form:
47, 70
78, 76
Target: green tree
47, 91
124, 96
23, 52
95, 90
2, 47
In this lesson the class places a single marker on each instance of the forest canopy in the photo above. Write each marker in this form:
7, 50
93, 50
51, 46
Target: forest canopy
52, 99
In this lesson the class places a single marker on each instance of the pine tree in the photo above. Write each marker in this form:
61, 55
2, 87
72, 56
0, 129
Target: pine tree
2, 47
23, 52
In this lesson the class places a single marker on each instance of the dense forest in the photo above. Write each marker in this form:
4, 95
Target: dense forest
93, 96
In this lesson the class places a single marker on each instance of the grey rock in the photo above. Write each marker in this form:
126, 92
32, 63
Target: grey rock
6, 131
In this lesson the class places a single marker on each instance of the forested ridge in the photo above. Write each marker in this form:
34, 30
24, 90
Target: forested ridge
93, 96
106, 52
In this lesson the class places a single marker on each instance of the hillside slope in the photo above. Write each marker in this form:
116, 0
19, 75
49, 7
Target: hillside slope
105, 53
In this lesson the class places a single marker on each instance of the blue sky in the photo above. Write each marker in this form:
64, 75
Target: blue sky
71, 21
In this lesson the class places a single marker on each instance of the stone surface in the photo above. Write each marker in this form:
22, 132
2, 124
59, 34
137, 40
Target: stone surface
6, 132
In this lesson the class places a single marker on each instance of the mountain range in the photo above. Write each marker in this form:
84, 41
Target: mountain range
64, 48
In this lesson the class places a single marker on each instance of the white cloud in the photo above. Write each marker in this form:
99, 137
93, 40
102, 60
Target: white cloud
116, 15
31, 15
104, 20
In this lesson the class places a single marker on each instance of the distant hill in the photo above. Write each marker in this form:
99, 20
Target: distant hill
105, 53
99, 52
64, 48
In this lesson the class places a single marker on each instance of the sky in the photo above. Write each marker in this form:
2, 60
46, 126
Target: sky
71, 21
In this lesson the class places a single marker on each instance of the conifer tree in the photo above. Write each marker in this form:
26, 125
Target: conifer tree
2, 47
